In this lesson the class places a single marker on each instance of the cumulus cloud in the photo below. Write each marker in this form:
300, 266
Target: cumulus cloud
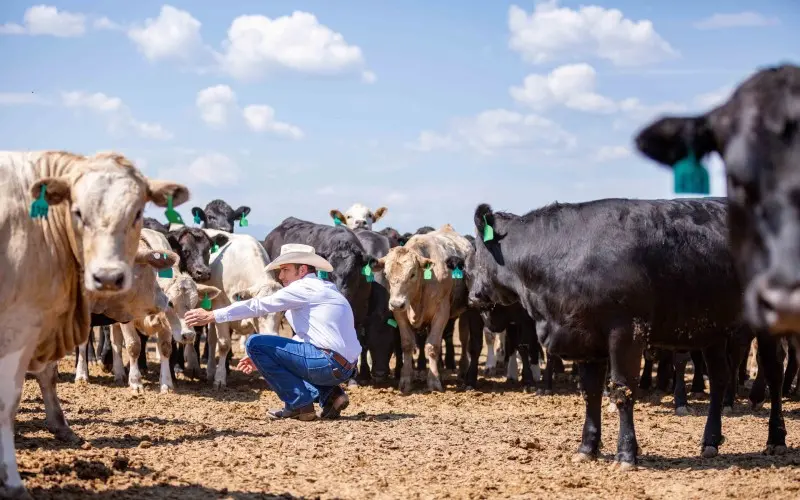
429, 140
257, 45
215, 103
261, 118
747, 19
611, 153
551, 32
104, 23
173, 35
47, 20
120, 118
572, 85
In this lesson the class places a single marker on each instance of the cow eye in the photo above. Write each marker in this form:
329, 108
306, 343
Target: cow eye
170, 304
77, 214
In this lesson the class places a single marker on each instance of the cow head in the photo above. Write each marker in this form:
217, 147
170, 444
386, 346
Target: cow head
404, 270
756, 134
104, 197
394, 237
263, 324
359, 216
145, 297
219, 215
194, 247
184, 294
154, 225
485, 264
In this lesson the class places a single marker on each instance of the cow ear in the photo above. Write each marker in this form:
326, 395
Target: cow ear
669, 139
378, 265
199, 213
336, 214
240, 212
212, 291
56, 190
379, 213
174, 242
159, 260
454, 262
483, 216
220, 239
426, 262
159, 191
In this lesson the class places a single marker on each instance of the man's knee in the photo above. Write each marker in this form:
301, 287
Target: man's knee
260, 343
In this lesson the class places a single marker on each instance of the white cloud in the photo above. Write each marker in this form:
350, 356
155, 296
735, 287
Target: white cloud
551, 32
429, 140
215, 103
714, 98
572, 85
736, 20
369, 77
104, 23
118, 115
611, 153
211, 169
261, 118
257, 45
15, 98
174, 34
47, 20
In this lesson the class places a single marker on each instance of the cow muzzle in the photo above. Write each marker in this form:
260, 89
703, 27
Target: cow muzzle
186, 337
108, 278
398, 304
778, 306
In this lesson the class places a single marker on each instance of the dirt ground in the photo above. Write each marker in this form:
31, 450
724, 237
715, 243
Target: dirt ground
497, 442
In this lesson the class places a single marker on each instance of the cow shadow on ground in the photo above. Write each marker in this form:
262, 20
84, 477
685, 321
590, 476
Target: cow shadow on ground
377, 417
725, 461
73, 492
699, 408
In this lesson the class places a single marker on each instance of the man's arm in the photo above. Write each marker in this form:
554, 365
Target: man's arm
284, 299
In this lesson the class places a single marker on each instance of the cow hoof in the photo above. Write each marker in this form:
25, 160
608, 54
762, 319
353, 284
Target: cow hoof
165, 389
120, 380
352, 383
219, 385
137, 389
15, 493
404, 385
776, 449
758, 406
727, 410
682, 411
469, 388
82, 380
709, 452
65, 435
529, 389
583, 457
626, 466
489, 372
435, 385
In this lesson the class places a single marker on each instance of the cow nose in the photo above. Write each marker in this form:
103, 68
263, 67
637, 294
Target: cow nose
779, 305
202, 274
397, 305
109, 279
187, 337
360, 223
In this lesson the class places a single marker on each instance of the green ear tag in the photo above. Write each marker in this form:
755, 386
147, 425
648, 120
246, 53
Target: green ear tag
167, 271
457, 274
391, 322
39, 207
206, 303
197, 219
322, 274
215, 248
243, 221
173, 216
337, 221
367, 271
488, 231
691, 176
428, 272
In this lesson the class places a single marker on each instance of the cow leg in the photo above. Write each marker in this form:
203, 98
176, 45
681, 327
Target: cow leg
791, 369
433, 348
490, 368
223, 335
398, 353
449, 346
734, 354
475, 348
647, 372
82, 368
679, 361
625, 361
717, 366
91, 353
134, 347
743, 374
178, 361
192, 362
210, 355
200, 332
510, 357
464, 339
117, 344
408, 341
165, 352
528, 385
698, 382
364, 372
593, 375
55, 420
106, 350
772, 367
549, 371
141, 360
536, 357
664, 372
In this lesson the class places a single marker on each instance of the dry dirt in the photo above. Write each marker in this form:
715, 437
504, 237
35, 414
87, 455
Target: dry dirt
497, 442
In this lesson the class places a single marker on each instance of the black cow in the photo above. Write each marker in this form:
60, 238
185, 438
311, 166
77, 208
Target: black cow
153, 224
219, 215
395, 238
520, 330
610, 277
342, 248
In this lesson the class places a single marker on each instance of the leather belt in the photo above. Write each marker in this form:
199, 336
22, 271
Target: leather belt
340, 359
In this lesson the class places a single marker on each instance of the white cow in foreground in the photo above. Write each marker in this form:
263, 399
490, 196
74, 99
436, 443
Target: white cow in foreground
239, 269
52, 267
359, 216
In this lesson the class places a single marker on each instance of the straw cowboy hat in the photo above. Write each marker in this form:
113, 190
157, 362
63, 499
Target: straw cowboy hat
294, 253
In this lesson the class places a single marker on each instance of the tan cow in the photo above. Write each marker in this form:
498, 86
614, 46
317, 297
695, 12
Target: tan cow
423, 293
183, 294
359, 216
53, 266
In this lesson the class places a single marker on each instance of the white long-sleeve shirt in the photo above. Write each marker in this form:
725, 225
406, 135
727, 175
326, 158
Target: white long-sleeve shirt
318, 313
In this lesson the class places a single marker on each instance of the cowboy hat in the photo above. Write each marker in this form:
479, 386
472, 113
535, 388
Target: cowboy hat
294, 253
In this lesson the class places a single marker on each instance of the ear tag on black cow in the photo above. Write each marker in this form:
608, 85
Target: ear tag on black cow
337, 221
215, 248
172, 215
457, 274
167, 271
243, 221
691, 177
322, 274
197, 219
488, 231
367, 271
428, 274
39, 207
391, 322
206, 303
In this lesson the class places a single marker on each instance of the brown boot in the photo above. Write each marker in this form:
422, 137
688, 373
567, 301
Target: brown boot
337, 402
306, 413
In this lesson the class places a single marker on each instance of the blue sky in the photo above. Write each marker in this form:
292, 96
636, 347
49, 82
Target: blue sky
428, 108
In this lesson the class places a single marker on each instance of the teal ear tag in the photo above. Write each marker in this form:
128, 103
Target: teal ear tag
167, 271
172, 215
215, 248
428, 272
206, 303
337, 221
391, 322
197, 219
488, 231
690, 176
243, 221
39, 207
323, 274
457, 274
367, 271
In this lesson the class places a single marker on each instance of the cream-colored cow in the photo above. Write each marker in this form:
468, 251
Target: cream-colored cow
359, 216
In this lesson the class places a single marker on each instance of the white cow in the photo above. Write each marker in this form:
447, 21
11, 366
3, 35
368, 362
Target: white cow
52, 266
239, 270
359, 216
183, 294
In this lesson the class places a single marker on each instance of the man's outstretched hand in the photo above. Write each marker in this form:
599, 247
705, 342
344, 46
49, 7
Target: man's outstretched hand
198, 317
246, 365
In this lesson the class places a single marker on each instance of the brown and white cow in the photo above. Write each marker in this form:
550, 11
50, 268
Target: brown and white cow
424, 294
52, 266
359, 216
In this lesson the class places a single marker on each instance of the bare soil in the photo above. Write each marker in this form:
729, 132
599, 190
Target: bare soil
497, 442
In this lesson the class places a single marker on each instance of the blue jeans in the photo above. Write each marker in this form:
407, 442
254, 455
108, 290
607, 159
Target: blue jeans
298, 372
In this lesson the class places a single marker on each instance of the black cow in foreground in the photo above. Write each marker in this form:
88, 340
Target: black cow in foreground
219, 215
610, 277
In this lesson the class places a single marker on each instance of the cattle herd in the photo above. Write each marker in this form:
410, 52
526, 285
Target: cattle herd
601, 283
